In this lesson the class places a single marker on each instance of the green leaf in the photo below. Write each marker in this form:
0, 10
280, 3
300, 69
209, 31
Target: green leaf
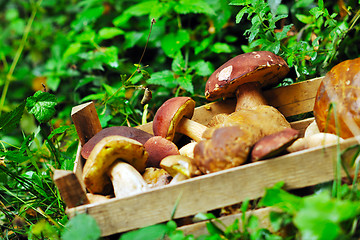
186, 83
193, 6
240, 15
276, 197
178, 64
110, 32
59, 130
304, 18
82, 227
41, 105
202, 68
172, 43
152, 233
10, 120
164, 78
221, 48
73, 49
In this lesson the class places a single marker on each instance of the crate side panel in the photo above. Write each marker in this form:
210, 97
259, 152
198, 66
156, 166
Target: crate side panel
216, 190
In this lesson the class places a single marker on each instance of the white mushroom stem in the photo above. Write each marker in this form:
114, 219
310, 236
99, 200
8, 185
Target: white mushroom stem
126, 179
192, 129
188, 150
315, 140
311, 129
178, 178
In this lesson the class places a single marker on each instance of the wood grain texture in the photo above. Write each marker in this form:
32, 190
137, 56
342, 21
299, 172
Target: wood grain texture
86, 121
70, 188
216, 190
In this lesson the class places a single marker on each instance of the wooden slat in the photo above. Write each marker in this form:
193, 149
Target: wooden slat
70, 188
216, 190
86, 121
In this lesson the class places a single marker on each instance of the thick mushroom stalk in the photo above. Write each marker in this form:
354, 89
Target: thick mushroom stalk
126, 180
99, 168
174, 116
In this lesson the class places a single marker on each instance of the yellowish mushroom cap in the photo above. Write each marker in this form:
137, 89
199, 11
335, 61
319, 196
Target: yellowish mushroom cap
105, 152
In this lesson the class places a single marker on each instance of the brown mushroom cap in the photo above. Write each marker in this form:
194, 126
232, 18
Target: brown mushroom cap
105, 153
228, 147
274, 144
169, 115
341, 85
133, 133
159, 148
263, 66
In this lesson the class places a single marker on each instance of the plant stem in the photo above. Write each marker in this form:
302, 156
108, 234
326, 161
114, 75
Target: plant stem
9, 75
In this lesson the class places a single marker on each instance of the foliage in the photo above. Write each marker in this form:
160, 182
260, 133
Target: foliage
57, 54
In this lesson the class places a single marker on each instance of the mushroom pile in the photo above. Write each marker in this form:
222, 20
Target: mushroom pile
122, 161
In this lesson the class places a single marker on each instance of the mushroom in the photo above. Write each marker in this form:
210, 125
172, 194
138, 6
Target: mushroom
179, 167
311, 129
340, 86
188, 149
243, 76
156, 177
118, 160
274, 144
315, 140
159, 148
133, 133
174, 116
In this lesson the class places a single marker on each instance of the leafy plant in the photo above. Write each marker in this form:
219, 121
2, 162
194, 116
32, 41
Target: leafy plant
309, 39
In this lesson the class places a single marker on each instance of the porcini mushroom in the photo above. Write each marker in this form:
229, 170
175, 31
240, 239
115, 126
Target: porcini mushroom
179, 167
340, 86
156, 177
118, 160
244, 76
174, 115
133, 133
159, 148
274, 144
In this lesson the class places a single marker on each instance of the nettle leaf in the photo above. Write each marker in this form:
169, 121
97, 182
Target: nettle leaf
178, 64
172, 43
10, 120
164, 78
41, 105
73, 49
151, 232
186, 83
274, 4
202, 68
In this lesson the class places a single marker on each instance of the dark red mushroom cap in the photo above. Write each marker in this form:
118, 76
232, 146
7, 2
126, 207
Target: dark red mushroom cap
158, 148
274, 144
129, 132
169, 115
263, 66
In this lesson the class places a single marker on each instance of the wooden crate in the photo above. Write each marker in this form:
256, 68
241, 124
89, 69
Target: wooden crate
224, 188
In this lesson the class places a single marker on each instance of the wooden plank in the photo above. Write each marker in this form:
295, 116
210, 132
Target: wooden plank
86, 121
70, 188
215, 190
